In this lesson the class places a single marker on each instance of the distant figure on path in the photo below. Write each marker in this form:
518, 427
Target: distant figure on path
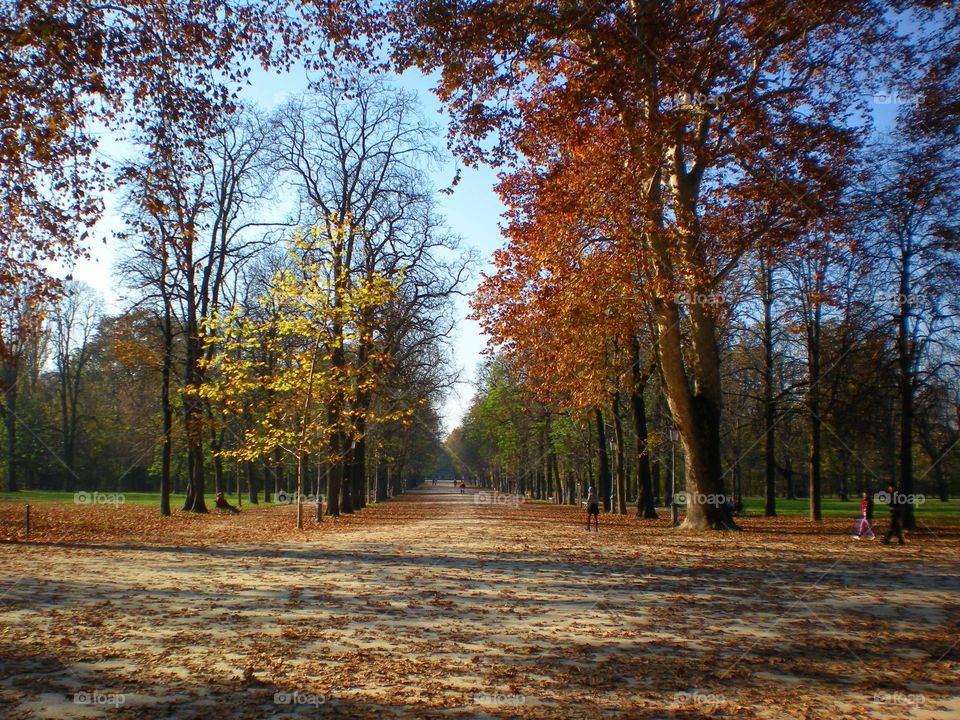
865, 517
222, 504
896, 501
593, 508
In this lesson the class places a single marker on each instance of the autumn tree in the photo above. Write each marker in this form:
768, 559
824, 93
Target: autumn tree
69, 71
691, 133
318, 329
357, 148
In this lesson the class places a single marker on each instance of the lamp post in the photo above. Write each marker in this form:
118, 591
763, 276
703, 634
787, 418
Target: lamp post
674, 510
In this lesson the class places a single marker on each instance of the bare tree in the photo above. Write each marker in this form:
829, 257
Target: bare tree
356, 153
74, 324
195, 215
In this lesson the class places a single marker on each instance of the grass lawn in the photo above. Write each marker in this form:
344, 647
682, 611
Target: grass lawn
834, 507
135, 498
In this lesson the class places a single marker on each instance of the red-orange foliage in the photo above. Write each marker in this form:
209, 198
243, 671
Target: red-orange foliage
72, 69
668, 139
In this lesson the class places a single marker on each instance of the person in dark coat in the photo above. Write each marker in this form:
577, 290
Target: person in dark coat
896, 501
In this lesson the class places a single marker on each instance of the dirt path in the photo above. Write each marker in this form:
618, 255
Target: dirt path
444, 606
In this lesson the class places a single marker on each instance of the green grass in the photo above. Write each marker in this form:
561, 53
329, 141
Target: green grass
833, 507
40, 497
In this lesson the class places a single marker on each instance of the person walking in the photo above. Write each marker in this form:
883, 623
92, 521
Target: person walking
895, 500
593, 509
866, 515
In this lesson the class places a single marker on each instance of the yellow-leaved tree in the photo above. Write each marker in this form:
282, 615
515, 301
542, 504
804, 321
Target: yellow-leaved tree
290, 374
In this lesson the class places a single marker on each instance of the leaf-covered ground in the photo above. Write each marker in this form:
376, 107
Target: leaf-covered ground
437, 605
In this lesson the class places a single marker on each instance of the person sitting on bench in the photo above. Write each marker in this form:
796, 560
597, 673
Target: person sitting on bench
222, 504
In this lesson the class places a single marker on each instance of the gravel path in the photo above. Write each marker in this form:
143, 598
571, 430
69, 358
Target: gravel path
450, 605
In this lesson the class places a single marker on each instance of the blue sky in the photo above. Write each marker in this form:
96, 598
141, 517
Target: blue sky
472, 212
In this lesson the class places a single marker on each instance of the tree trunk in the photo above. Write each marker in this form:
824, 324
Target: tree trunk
620, 465
8, 383
383, 477
555, 483
252, 489
645, 500
334, 478
166, 409
813, 405
604, 481
655, 482
696, 413
301, 482
906, 392
769, 409
358, 469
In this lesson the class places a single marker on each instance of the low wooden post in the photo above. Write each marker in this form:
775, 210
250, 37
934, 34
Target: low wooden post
26, 533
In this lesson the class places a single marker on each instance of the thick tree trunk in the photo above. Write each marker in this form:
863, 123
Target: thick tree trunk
604, 481
696, 413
